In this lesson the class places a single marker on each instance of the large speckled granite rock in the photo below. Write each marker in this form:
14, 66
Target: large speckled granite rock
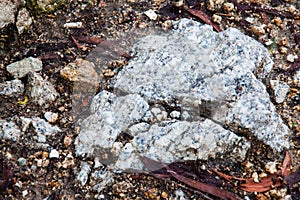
211, 81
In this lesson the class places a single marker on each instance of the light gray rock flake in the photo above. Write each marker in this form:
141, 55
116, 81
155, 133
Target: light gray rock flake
15, 128
21, 68
8, 9
24, 20
280, 90
12, 87
9, 130
110, 116
40, 91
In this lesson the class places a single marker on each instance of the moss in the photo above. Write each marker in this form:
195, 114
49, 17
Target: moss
36, 8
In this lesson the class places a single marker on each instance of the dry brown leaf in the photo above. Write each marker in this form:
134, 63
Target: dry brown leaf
203, 16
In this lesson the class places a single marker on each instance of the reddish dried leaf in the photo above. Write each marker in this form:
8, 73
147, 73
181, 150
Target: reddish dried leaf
223, 194
76, 42
89, 39
203, 16
227, 177
265, 184
286, 165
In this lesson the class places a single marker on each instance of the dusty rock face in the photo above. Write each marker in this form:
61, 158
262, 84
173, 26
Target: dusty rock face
205, 78
23, 67
15, 129
40, 91
11, 87
7, 14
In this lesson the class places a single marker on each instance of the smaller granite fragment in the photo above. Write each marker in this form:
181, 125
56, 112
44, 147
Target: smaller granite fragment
280, 90
24, 20
9, 130
13, 87
16, 127
110, 116
8, 9
171, 141
42, 127
84, 173
40, 91
51, 117
101, 178
21, 68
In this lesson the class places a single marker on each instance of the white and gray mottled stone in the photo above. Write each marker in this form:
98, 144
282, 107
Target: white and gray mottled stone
8, 9
24, 20
9, 130
280, 90
12, 87
171, 141
15, 128
40, 91
209, 75
83, 174
207, 70
21, 68
111, 115
167, 141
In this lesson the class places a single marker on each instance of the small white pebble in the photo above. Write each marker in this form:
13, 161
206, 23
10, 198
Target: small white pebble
151, 14
258, 30
271, 167
54, 154
39, 162
51, 117
283, 50
73, 25
250, 20
24, 193
255, 177
292, 9
175, 114
269, 42
217, 18
291, 58
228, 7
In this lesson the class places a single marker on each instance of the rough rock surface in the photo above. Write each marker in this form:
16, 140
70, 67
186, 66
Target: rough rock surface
23, 67
209, 76
209, 72
40, 91
11, 87
280, 90
23, 20
15, 129
8, 10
